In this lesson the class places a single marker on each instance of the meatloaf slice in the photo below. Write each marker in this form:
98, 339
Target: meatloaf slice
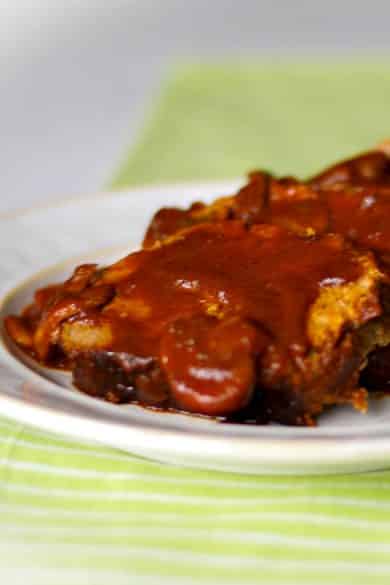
220, 318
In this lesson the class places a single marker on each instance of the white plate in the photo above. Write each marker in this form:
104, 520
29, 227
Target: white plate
31, 241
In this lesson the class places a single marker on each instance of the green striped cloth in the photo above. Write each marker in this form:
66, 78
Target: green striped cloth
72, 513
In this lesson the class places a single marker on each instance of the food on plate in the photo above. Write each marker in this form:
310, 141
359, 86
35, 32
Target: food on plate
270, 305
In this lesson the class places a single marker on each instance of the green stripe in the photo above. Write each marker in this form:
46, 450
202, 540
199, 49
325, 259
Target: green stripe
100, 461
214, 544
347, 495
375, 532
34, 449
150, 563
109, 503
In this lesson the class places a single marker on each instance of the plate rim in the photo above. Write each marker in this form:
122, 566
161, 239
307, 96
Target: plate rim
48, 204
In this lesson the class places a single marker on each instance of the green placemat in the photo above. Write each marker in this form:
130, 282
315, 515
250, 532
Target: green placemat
76, 514
216, 122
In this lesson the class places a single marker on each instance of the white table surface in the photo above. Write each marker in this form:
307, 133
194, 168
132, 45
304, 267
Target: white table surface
77, 78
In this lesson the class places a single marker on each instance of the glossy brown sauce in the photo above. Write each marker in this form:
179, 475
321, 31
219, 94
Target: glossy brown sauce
362, 215
264, 274
351, 198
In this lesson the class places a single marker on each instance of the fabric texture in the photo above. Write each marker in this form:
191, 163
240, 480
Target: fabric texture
218, 122
73, 513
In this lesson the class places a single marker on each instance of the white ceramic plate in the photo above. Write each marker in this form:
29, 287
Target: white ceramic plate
69, 233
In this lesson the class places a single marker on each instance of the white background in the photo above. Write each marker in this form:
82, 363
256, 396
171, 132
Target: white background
76, 78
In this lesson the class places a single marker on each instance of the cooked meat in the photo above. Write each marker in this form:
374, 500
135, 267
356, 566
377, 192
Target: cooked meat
223, 311
120, 377
255, 308
370, 168
376, 375
351, 198
169, 220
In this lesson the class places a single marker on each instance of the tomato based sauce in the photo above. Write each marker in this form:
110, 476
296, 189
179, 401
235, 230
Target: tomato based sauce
264, 274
